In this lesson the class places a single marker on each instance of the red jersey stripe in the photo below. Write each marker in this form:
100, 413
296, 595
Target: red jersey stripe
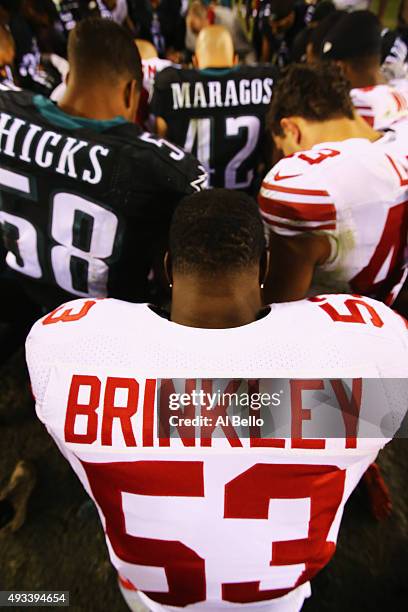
298, 211
307, 192
301, 228
369, 119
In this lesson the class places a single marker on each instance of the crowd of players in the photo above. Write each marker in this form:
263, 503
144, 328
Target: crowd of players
112, 112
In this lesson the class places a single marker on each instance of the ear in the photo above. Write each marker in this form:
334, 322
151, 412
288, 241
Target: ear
291, 128
167, 268
131, 94
67, 77
235, 60
195, 62
264, 267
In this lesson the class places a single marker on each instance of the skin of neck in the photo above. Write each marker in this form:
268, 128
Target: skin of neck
337, 130
98, 100
366, 78
213, 60
302, 135
362, 73
217, 302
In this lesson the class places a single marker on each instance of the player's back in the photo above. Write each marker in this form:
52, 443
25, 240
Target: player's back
108, 376
381, 105
219, 115
84, 204
355, 192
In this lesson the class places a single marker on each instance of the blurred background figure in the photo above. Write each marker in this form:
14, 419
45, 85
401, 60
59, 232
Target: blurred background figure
354, 43
151, 65
161, 23
200, 16
299, 48
72, 11
278, 23
24, 21
7, 55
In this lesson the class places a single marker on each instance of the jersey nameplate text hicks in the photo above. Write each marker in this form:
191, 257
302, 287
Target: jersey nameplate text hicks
33, 144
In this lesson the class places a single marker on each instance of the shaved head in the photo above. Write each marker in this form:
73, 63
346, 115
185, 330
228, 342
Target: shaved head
146, 49
214, 48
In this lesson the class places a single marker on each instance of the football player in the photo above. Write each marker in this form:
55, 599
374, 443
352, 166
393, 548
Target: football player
29, 71
212, 521
355, 44
72, 12
84, 190
151, 65
277, 26
217, 110
336, 205
201, 14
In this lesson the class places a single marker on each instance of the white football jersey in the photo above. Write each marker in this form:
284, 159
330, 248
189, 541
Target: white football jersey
355, 192
381, 105
150, 68
209, 522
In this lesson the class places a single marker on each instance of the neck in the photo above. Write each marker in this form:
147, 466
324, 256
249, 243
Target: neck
338, 130
215, 63
93, 103
215, 305
368, 78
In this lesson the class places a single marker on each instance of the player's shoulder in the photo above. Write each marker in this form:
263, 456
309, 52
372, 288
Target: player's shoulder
151, 155
371, 92
364, 98
310, 165
82, 316
295, 196
171, 74
157, 63
360, 315
11, 97
172, 164
319, 168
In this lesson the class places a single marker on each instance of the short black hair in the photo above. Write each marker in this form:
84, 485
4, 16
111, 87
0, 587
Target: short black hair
215, 232
102, 50
322, 10
356, 35
320, 32
316, 93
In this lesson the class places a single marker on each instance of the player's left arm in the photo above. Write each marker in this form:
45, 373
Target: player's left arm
292, 264
299, 215
171, 175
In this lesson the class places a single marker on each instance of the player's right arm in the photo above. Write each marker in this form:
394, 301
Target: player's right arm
169, 175
299, 215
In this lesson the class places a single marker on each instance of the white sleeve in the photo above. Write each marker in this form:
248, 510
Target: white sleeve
293, 202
